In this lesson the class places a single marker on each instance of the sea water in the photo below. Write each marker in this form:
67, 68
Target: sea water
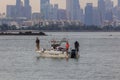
99, 57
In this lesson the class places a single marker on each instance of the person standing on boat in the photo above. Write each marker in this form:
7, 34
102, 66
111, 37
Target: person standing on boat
76, 44
67, 47
37, 43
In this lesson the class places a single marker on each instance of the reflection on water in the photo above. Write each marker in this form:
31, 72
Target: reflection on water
99, 58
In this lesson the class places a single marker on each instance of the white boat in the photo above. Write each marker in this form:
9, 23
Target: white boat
52, 54
56, 51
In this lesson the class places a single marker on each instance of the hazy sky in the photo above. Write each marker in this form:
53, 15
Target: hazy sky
35, 4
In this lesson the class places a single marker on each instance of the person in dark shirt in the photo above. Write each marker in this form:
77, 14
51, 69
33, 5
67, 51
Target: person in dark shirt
76, 44
37, 43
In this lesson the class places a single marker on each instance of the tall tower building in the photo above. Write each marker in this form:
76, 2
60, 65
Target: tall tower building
89, 14
27, 9
109, 15
45, 9
69, 9
18, 8
108, 4
10, 11
27, 2
109, 12
119, 3
62, 14
18, 3
73, 9
54, 12
101, 9
96, 16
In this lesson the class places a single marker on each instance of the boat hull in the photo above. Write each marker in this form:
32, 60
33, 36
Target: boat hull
52, 54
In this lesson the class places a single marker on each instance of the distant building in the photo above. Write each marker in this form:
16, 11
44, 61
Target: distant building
19, 10
119, 3
89, 14
101, 8
45, 9
109, 15
81, 16
27, 23
62, 14
11, 11
53, 12
11, 21
36, 16
27, 9
73, 9
108, 4
96, 17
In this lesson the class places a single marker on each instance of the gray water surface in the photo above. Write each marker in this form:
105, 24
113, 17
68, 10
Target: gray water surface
99, 57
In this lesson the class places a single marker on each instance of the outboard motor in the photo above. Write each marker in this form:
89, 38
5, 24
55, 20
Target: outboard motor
73, 53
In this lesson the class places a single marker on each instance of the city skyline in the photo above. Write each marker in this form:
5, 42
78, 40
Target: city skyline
105, 12
36, 4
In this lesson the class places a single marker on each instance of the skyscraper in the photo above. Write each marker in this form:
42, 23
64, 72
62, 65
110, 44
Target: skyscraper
18, 3
109, 15
10, 11
62, 14
96, 16
45, 9
73, 9
119, 3
108, 4
27, 2
54, 12
18, 8
89, 14
27, 9
108, 11
68, 9
101, 8
14, 11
